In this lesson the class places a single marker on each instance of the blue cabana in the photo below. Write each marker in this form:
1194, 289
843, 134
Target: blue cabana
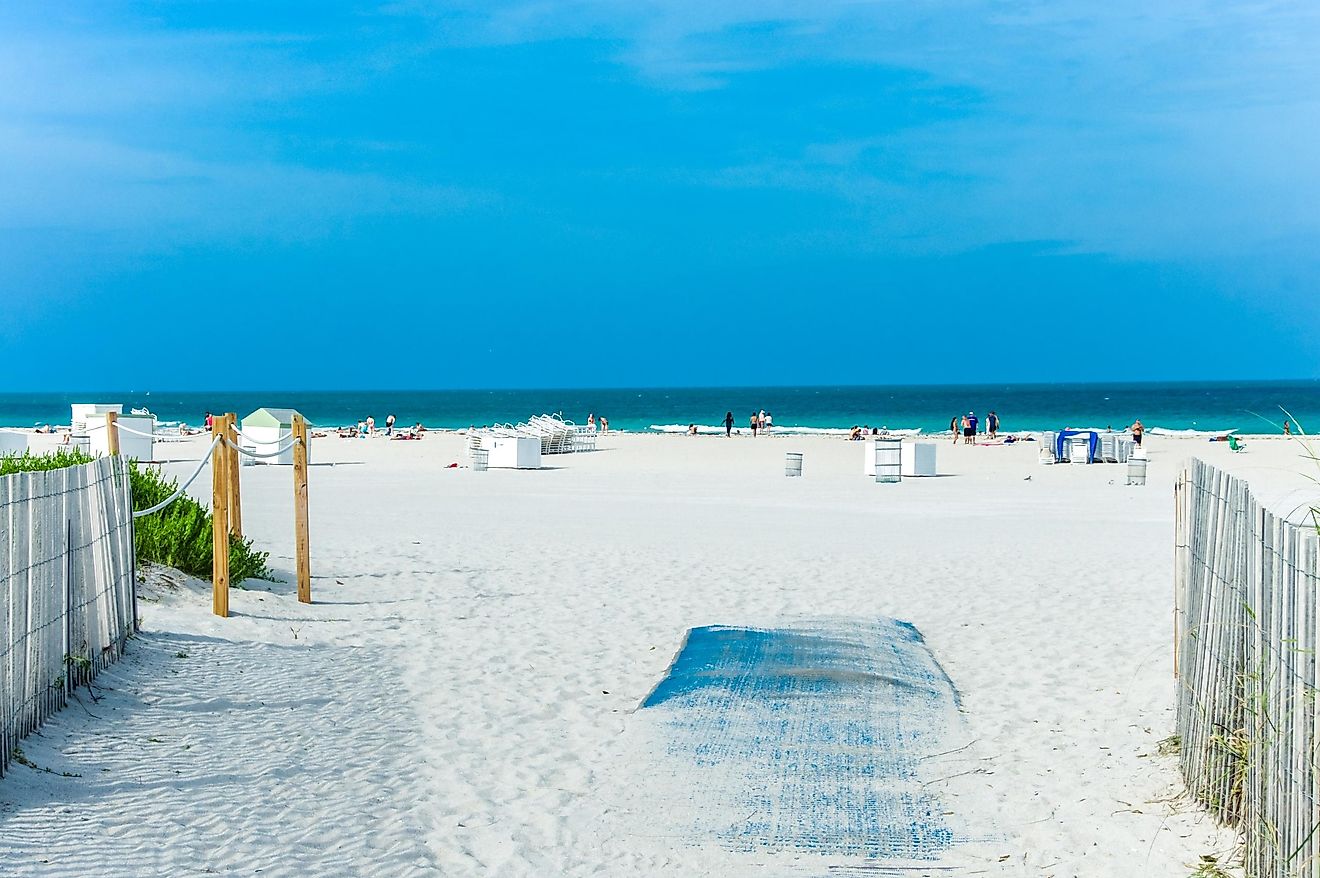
1061, 440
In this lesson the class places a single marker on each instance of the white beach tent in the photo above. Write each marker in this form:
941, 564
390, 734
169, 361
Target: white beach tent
268, 430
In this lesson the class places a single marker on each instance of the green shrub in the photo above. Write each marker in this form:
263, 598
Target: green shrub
178, 535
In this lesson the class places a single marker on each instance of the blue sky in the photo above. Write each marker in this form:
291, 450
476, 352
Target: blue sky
610, 194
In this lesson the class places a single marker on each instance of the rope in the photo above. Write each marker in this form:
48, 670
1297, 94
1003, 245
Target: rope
175, 496
294, 440
134, 432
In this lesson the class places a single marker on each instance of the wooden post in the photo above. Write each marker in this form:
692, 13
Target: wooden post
235, 498
112, 433
303, 547
220, 521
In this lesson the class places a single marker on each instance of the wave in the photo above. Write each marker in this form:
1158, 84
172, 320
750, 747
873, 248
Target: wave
776, 430
1188, 434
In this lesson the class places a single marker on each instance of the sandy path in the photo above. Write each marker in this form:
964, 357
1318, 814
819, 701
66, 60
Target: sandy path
456, 701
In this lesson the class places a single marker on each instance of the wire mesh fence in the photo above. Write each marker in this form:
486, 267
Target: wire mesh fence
67, 587
1245, 635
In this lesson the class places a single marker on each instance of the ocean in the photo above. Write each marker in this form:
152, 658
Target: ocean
1185, 407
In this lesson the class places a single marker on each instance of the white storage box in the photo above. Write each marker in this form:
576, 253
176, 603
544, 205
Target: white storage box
919, 458
513, 452
89, 414
131, 445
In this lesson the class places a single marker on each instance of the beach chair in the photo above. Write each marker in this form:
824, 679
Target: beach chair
1109, 448
1045, 453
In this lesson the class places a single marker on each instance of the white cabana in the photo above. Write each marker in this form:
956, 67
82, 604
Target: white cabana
266, 431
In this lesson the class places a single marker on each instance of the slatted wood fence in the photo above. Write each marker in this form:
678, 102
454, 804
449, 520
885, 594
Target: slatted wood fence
67, 587
1245, 635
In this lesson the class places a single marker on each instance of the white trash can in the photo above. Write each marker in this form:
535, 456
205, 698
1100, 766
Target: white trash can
888, 461
793, 464
1136, 471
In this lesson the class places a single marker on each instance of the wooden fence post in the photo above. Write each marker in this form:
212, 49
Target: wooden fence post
220, 520
302, 540
112, 433
235, 497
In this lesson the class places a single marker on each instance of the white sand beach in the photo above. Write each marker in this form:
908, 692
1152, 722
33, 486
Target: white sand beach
462, 696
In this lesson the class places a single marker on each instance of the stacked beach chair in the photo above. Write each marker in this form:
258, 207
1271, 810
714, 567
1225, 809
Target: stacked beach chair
556, 435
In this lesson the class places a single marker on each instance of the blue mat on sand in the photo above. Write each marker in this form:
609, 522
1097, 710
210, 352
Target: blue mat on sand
809, 738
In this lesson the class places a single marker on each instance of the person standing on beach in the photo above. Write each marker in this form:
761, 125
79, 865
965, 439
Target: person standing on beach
1137, 431
210, 419
604, 424
766, 423
954, 425
1287, 428
971, 428
389, 425
591, 422
728, 424
756, 423
991, 425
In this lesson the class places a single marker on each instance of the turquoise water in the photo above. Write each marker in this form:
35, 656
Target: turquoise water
1203, 407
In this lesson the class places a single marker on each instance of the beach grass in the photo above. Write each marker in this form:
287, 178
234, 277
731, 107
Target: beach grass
177, 536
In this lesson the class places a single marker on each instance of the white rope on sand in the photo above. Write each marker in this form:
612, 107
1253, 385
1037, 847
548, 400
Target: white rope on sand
177, 494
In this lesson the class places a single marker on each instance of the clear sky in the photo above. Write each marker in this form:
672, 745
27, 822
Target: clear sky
603, 193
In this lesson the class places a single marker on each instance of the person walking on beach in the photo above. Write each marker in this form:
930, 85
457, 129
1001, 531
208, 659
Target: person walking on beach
955, 428
766, 423
991, 425
755, 423
1137, 431
728, 424
1287, 428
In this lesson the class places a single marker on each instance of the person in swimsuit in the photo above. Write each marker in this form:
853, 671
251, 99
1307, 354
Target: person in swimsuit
756, 423
728, 424
1137, 432
953, 428
992, 425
